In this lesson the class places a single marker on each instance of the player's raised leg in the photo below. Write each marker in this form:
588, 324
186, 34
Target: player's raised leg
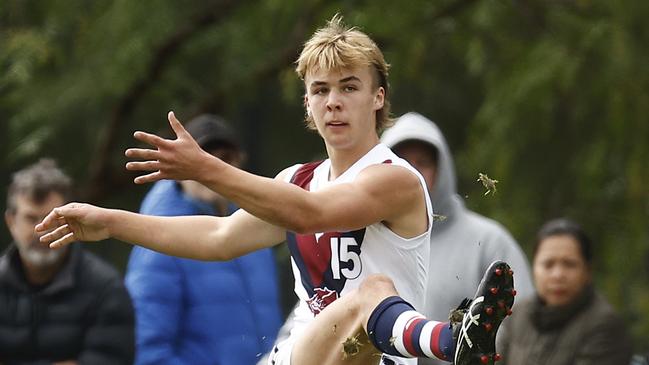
373, 319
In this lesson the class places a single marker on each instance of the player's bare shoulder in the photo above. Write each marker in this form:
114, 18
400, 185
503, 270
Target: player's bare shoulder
388, 177
401, 190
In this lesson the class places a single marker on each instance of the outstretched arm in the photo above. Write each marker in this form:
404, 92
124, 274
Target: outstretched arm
197, 237
369, 199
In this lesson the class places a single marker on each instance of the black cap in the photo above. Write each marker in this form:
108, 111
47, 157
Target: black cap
211, 131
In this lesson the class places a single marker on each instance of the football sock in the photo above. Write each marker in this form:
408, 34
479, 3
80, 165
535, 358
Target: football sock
397, 329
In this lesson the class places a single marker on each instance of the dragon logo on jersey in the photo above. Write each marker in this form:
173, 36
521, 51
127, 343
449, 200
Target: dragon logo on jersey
321, 299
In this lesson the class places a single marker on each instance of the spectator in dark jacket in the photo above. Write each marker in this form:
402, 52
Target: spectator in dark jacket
196, 312
66, 307
568, 322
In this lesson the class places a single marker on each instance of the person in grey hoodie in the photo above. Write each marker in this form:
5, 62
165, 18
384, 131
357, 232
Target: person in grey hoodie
463, 243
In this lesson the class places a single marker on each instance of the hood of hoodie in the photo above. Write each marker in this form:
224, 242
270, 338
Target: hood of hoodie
414, 126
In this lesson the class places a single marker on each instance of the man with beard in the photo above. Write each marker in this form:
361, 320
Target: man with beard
57, 306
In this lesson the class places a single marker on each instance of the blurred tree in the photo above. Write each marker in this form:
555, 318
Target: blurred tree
548, 97
563, 126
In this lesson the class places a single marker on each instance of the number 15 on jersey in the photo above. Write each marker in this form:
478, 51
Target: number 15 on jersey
345, 253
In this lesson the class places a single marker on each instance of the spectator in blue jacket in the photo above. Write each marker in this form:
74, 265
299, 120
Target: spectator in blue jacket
194, 312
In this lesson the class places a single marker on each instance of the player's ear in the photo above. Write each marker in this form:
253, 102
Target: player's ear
307, 110
379, 98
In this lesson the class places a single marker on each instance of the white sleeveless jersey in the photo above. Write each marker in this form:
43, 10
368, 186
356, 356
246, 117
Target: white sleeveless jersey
328, 265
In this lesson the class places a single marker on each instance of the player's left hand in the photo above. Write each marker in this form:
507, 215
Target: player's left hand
177, 159
73, 222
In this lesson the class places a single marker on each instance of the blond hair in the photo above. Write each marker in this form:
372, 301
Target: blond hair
337, 46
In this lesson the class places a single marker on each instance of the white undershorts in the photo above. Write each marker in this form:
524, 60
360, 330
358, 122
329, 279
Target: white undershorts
281, 352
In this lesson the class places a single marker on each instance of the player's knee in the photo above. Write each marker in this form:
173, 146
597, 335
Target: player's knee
376, 284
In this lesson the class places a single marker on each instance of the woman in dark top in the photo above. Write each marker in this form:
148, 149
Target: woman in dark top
568, 322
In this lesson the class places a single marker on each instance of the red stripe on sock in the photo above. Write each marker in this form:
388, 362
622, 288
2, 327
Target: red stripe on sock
407, 336
434, 341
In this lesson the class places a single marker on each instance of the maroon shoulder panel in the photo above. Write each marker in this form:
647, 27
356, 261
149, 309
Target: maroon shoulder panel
304, 174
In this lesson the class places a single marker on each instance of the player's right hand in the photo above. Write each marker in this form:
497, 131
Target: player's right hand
73, 222
174, 159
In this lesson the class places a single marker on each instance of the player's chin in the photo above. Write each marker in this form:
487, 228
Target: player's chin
339, 141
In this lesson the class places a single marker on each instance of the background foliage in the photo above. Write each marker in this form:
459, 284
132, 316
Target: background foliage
549, 97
